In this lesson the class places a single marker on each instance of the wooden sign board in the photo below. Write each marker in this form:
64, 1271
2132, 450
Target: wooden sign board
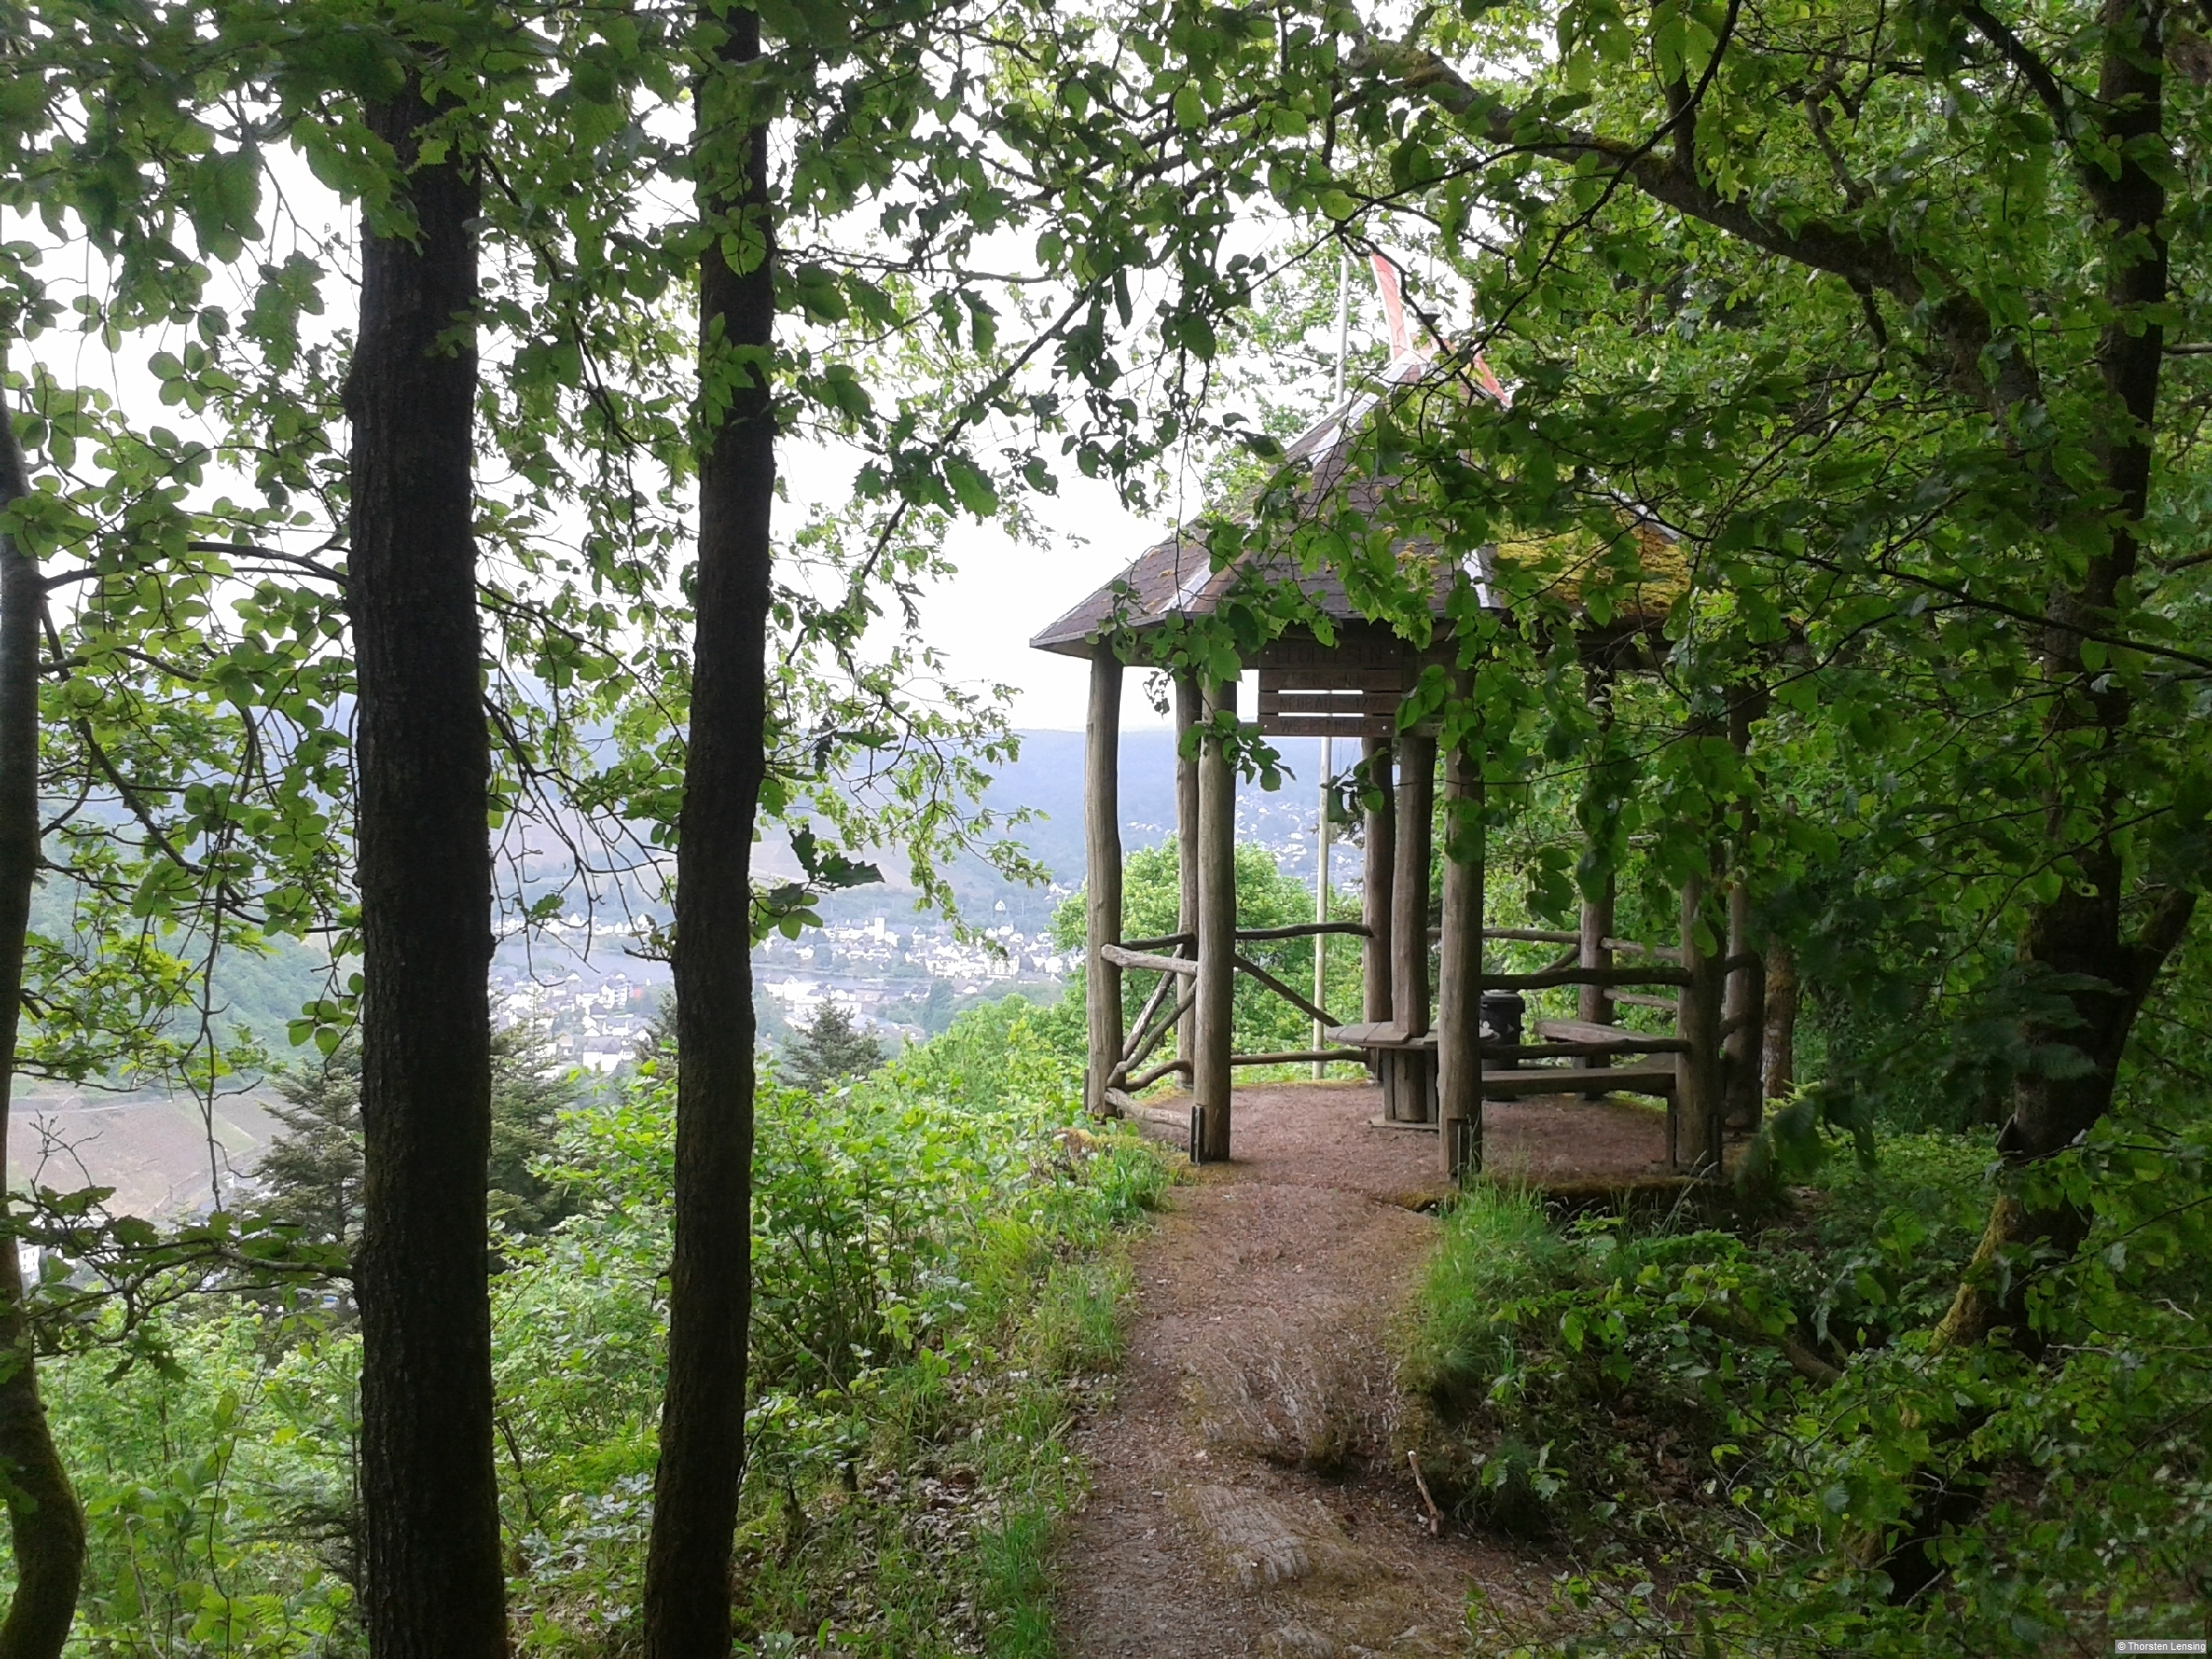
1350, 689
1324, 707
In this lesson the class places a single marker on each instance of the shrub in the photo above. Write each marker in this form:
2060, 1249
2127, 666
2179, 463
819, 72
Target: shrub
932, 1280
1735, 1425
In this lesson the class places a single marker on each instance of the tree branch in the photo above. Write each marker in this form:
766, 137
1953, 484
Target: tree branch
1722, 1320
2023, 58
1961, 322
298, 561
2162, 933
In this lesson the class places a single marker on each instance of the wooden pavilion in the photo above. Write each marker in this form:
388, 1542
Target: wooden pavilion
1439, 1049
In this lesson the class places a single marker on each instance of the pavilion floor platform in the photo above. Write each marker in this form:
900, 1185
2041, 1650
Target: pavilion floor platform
1326, 1133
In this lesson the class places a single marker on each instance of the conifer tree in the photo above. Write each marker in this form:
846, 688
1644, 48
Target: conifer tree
832, 1049
312, 1173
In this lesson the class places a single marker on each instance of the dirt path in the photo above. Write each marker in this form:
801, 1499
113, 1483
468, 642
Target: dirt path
1245, 1499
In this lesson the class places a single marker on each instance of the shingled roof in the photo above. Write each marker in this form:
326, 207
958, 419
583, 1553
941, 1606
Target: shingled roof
1176, 577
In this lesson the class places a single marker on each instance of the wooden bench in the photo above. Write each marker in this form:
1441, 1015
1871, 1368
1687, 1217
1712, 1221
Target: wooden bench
1652, 1080
1407, 1067
1377, 1034
1611, 1039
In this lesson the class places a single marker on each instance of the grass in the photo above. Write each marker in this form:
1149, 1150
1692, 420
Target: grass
1077, 1324
939, 1541
1496, 1248
1567, 1377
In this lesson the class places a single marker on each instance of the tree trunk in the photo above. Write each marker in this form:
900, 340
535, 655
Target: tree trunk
2081, 932
433, 1580
701, 1465
45, 1524
2076, 934
1779, 1046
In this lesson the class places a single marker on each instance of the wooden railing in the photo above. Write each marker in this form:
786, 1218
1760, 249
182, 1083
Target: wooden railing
1702, 1085
1149, 955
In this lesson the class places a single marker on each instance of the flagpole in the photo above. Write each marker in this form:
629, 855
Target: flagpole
1344, 319
1328, 744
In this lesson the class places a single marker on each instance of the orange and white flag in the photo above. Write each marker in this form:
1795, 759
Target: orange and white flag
1394, 306
1488, 380
1400, 337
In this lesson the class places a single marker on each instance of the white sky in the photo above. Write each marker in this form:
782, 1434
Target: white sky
983, 616
980, 617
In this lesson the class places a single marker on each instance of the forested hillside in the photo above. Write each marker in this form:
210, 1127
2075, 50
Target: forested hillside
1733, 474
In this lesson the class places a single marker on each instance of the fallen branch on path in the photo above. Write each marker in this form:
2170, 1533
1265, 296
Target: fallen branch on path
1435, 1522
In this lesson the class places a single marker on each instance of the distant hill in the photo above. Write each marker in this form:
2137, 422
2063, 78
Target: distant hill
1048, 780
155, 1150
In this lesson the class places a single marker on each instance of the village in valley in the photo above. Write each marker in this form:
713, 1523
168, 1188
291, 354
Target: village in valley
592, 986
899, 975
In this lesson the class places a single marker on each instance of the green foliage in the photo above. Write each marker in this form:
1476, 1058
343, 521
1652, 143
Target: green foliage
935, 1284
1636, 1386
193, 701
999, 1054
1835, 303
910, 1239
218, 1493
932, 1010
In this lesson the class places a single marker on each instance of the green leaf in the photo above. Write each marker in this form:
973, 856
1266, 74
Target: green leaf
970, 487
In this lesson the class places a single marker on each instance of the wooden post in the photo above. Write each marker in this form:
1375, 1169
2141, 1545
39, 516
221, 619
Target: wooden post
1214, 1003
1409, 914
1459, 970
1102, 874
1374, 898
1323, 838
1187, 714
1744, 1005
1595, 1002
1698, 1103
